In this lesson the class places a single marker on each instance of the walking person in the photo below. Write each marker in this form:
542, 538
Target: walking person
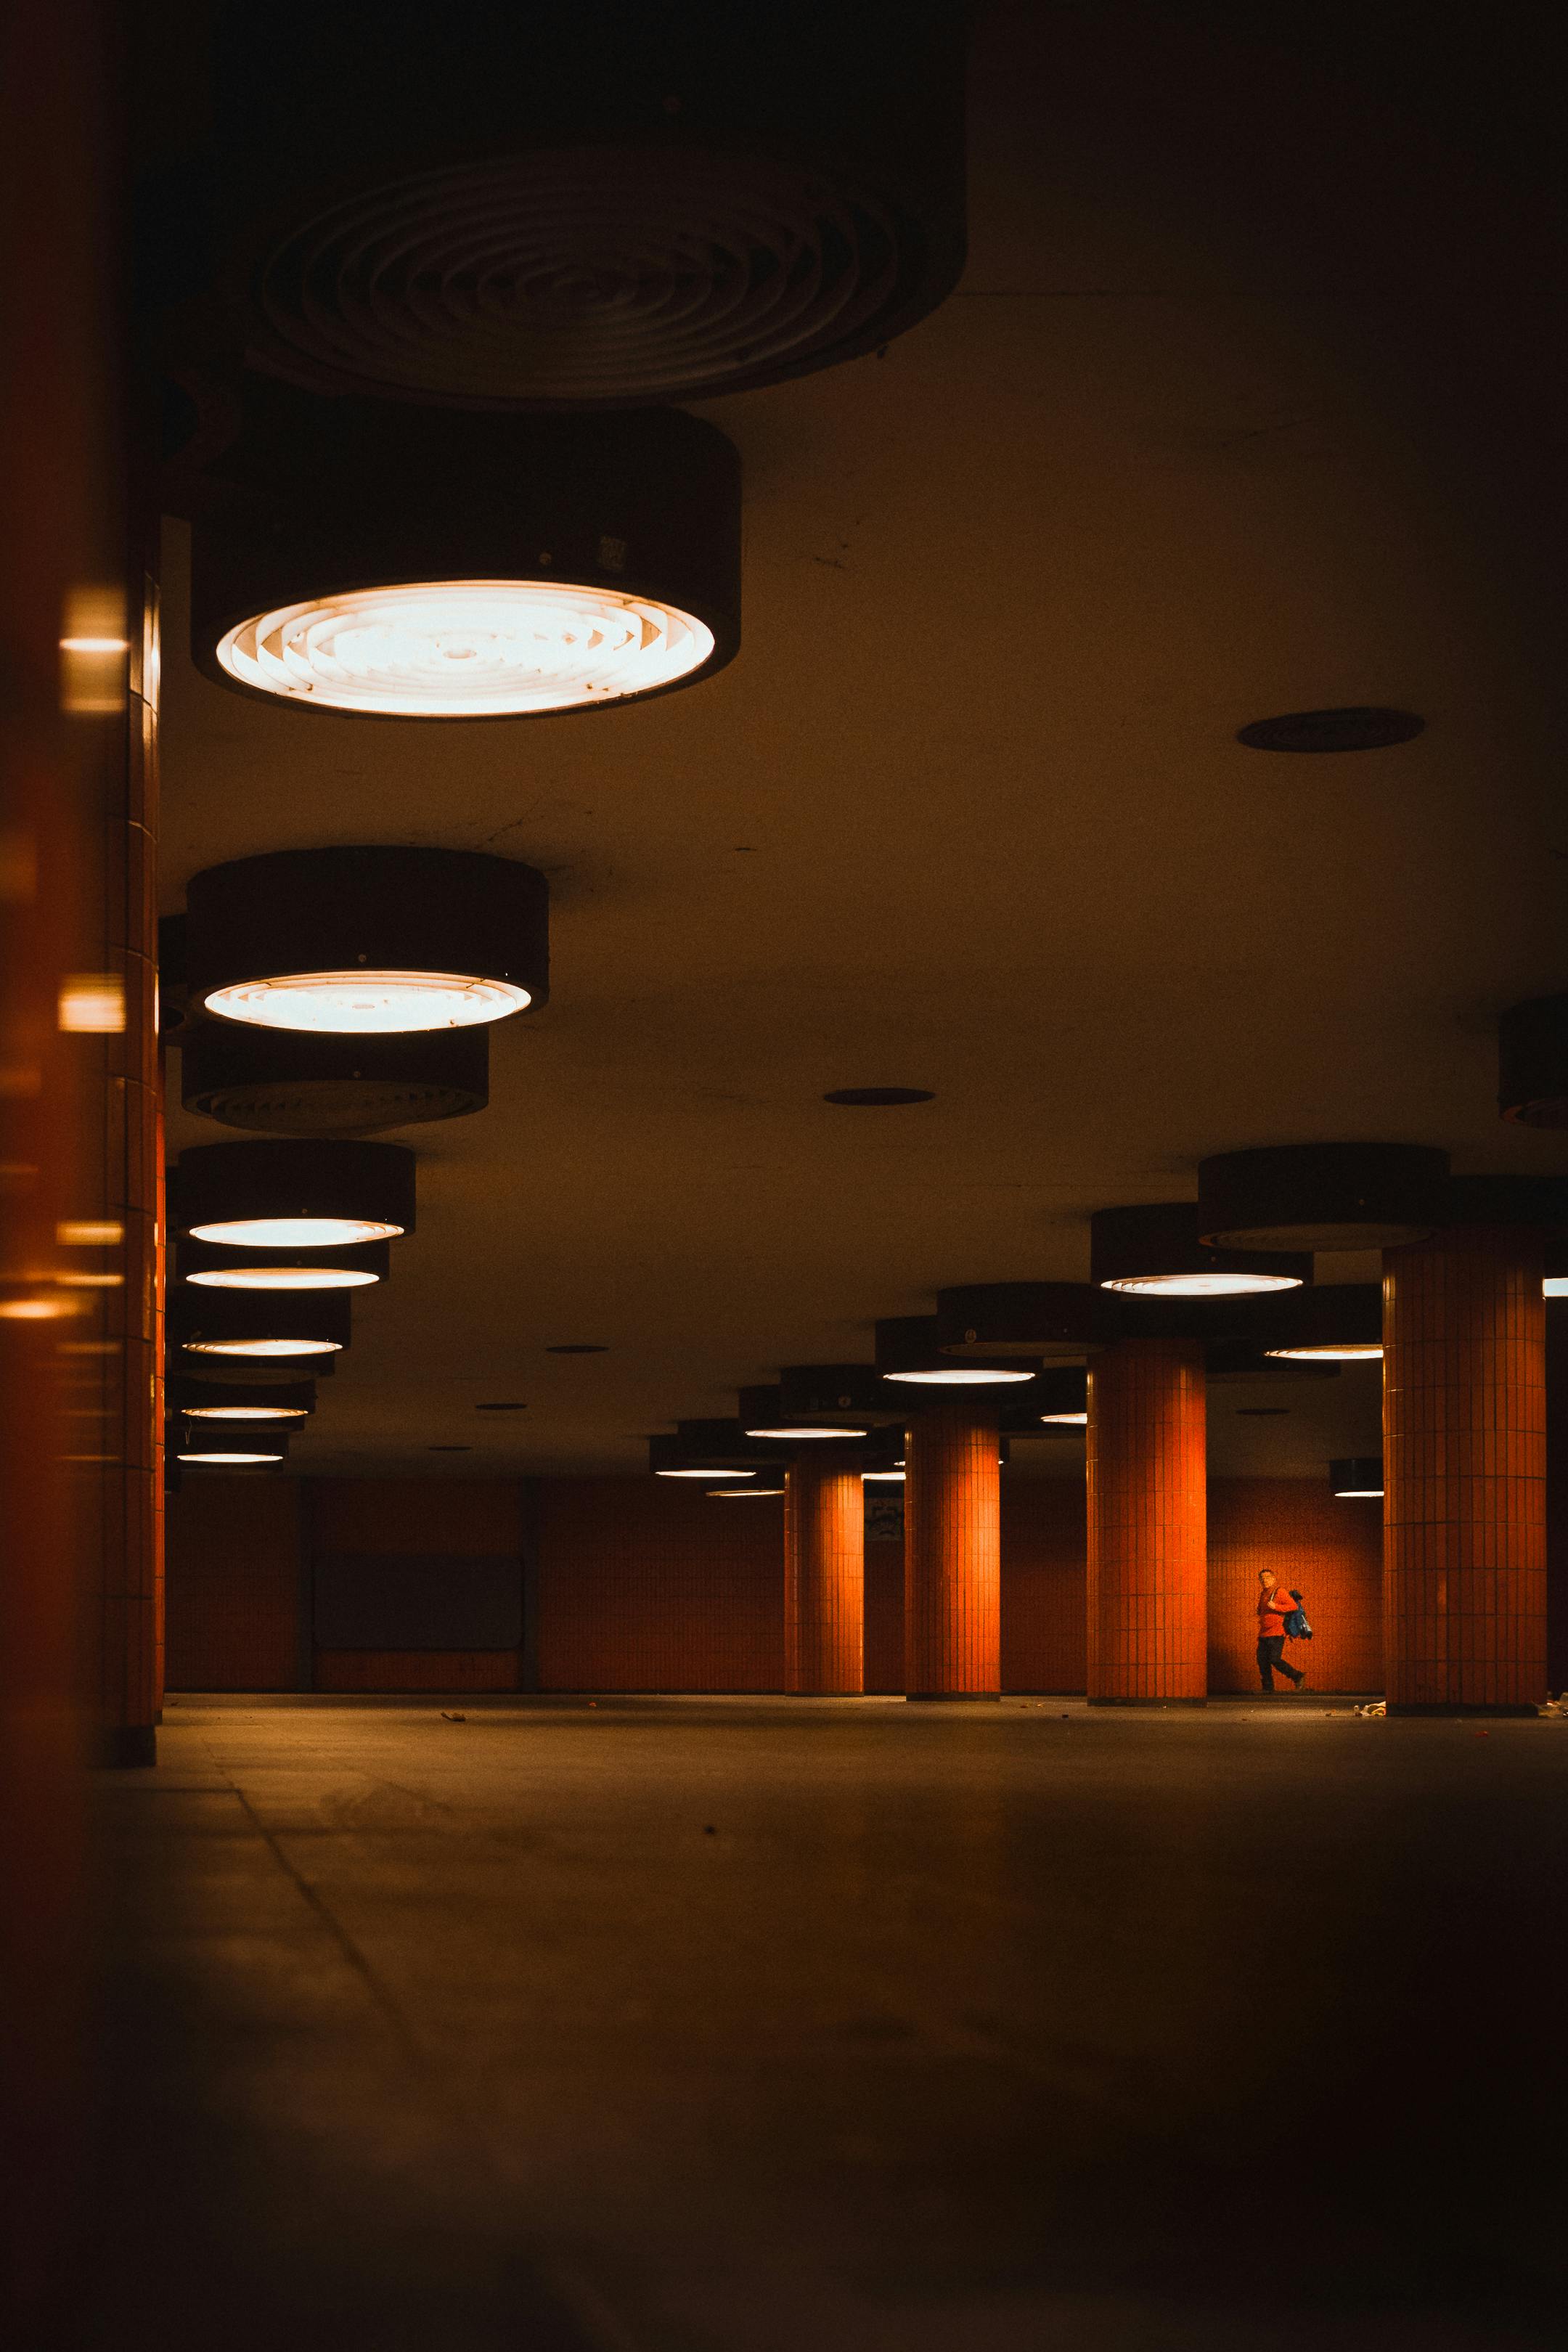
1273, 1607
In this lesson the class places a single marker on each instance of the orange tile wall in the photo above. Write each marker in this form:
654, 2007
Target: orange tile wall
233, 1584
419, 1515
1044, 1594
1332, 1552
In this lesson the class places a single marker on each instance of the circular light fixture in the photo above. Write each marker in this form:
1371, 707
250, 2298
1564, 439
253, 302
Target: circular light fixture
1056, 1402
763, 1413
1055, 1320
908, 1350
709, 1449
213, 1400
298, 1195
878, 1098
282, 1082
740, 1493
214, 1265
224, 1449
1333, 1323
1356, 1477
685, 1471
268, 1325
365, 942
1154, 1251
1532, 1062
1321, 1196
229, 1459
1361, 727
414, 564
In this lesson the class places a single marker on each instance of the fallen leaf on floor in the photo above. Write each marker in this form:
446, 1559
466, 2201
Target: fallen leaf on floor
452, 1719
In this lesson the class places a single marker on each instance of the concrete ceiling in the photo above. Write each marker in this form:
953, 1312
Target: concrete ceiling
967, 812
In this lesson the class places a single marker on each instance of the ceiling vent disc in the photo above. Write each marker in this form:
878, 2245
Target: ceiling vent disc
288, 1082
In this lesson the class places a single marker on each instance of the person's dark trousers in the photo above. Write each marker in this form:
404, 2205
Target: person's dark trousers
1271, 1654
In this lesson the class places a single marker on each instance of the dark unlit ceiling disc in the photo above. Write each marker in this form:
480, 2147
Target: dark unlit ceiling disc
489, 204
1360, 728
1323, 1196
288, 1082
878, 1098
1053, 1320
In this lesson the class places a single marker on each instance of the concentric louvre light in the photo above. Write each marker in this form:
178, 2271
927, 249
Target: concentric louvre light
1321, 1196
1154, 1251
399, 564
269, 1325
489, 204
282, 1082
297, 1195
226, 1403
1335, 1323
1053, 1321
910, 1352
212, 1266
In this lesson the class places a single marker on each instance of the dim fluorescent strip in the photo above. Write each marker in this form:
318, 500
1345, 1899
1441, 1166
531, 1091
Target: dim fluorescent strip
293, 1233
1202, 1286
465, 650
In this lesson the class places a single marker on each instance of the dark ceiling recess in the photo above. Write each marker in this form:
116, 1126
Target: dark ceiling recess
1359, 729
1532, 1062
449, 1449
1323, 1196
284, 1082
492, 205
501, 1408
405, 563
878, 1098
368, 940
577, 1348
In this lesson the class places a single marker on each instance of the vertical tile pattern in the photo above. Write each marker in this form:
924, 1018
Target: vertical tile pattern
1330, 1552
1147, 1522
825, 1574
1464, 1442
1042, 1582
952, 1553
1557, 1494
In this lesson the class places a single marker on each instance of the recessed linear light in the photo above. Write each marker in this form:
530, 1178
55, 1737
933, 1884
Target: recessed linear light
1360, 727
878, 1098
1555, 1286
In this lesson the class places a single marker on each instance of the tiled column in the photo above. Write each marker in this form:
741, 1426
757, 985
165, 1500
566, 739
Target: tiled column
1464, 1458
952, 1553
824, 1575
1557, 1494
1148, 1524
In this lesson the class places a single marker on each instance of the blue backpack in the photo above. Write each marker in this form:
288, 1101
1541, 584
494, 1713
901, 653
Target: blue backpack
1296, 1626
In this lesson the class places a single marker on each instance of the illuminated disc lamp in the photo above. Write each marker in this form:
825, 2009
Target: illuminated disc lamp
1053, 1321
740, 1493
365, 945
1154, 1251
704, 1449
268, 1326
310, 1194
211, 1446
213, 1266
286, 1082
1321, 1196
910, 1352
1356, 1477
1242, 1361
1333, 1323
358, 557
763, 1413
1532, 1063
1057, 1405
225, 1401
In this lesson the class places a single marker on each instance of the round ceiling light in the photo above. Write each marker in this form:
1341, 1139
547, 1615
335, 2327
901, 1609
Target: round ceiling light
1333, 1323
421, 564
763, 1413
1358, 727
1532, 1062
1321, 1196
368, 944
221, 1449
1356, 1477
908, 1349
740, 1493
214, 1265
1154, 1251
309, 1195
1055, 1320
213, 1400
1056, 1402
268, 1325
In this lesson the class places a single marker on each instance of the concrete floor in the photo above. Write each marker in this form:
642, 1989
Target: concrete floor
697, 2025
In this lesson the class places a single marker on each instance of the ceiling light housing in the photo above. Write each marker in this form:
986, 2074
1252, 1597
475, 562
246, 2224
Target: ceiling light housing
364, 948
481, 207
740, 1493
225, 1401
1053, 1321
283, 1082
910, 1352
837, 1392
1356, 1477
1331, 1323
279, 1326
763, 1413
1321, 1196
1243, 1362
310, 1195
405, 563
1056, 1405
1153, 1252
710, 1449
213, 1265
1532, 1063
209, 1445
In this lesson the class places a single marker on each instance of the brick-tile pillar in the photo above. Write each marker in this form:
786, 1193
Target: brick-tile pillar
1464, 1459
1148, 1524
824, 1575
1557, 1494
952, 1553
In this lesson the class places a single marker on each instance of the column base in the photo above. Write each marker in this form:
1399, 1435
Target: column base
1462, 1707
953, 1698
1148, 1702
128, 1747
